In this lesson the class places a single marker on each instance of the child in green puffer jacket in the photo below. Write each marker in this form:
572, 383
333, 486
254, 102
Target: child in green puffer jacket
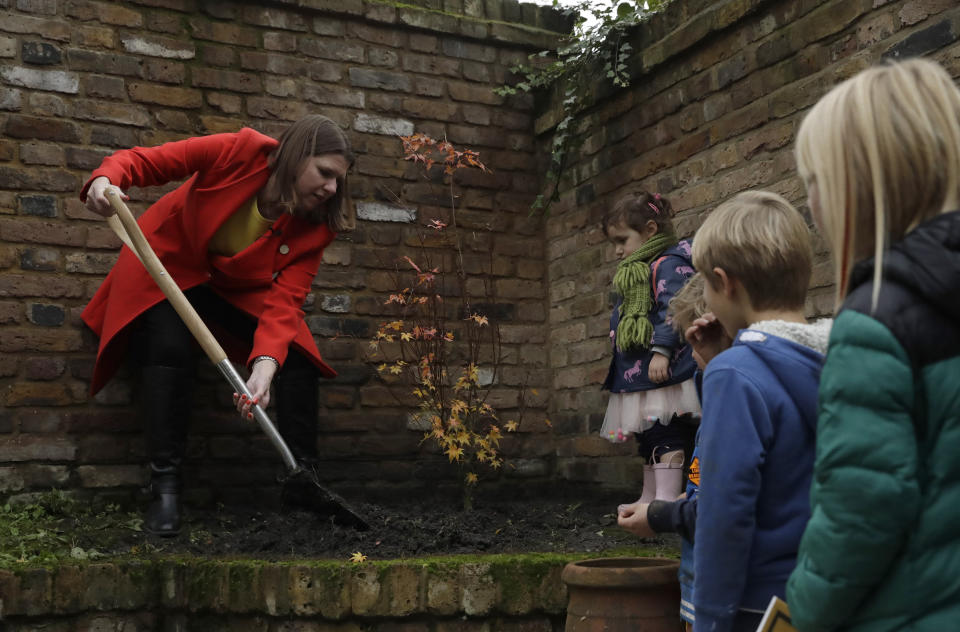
880, 156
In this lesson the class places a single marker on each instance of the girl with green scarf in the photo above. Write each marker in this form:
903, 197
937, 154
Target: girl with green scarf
651, 372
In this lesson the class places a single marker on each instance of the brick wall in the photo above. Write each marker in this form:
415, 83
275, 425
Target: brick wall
80, 79
719, 89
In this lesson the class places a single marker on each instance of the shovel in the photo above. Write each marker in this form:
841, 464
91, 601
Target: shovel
302, 481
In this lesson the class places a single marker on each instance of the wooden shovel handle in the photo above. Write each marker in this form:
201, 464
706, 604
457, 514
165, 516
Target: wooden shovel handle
134, 239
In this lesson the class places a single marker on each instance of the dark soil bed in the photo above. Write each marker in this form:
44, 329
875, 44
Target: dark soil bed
56, 525
397, 531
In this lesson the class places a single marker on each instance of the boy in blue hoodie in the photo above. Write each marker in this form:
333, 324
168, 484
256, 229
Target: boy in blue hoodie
680, 515
759, 407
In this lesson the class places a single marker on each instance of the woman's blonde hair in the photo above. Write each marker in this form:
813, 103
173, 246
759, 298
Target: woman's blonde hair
882, 150
312, 135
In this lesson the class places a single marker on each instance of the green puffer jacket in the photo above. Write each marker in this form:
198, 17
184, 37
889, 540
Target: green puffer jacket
882, 548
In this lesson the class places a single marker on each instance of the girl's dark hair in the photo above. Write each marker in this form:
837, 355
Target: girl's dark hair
312, 135
636, 208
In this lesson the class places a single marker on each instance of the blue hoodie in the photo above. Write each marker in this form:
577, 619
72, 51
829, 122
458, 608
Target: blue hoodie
629, 369
756, 462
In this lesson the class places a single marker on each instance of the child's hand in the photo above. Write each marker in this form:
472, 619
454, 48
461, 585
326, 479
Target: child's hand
659, 369
633, 518
628, 510
707, 337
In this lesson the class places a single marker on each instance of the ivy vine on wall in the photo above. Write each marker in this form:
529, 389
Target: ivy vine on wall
597, 46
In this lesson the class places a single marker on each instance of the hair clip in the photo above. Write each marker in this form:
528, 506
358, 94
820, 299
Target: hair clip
654, 207
656, 196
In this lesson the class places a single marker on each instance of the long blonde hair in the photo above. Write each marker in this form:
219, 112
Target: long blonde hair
883, 151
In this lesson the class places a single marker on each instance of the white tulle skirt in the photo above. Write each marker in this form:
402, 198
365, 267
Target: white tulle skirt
640, 410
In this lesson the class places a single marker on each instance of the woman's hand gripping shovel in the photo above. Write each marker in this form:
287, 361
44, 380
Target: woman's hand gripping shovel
310, 493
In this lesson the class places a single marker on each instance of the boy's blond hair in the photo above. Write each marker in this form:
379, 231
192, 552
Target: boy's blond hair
761, 240
688, 304
882, 150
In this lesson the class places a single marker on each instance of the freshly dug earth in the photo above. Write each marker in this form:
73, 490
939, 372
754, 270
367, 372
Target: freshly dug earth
397, 531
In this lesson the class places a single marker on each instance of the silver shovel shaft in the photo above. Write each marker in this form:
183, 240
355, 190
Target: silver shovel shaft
227, 370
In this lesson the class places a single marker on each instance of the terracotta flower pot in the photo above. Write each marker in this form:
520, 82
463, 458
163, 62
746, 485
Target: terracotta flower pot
623, 594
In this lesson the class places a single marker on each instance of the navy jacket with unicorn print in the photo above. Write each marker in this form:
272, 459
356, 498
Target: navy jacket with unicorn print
628, 369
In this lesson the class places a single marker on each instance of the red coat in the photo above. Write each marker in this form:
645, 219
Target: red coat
268, 280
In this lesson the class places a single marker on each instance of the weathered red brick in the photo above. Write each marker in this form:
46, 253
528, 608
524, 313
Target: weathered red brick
106, 63
108, 112
276, 64
226, 80
43, 285
42, 154
382, 57
164, 71
41, 232
27, 447
94, 37
41, 129
431, 64
46, 368
105, 12
275, 108
215, 55
223, 32
473, 93
49, 28
101, 237
175, 120
165, 22
165, 95
110, 475
16, 339
285, 20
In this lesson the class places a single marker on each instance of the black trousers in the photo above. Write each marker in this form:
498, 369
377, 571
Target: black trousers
160, 338
166, 352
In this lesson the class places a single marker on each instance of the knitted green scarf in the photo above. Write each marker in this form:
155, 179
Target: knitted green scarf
632, 281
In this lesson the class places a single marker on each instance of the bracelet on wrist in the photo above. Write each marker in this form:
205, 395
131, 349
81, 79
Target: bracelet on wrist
266, 357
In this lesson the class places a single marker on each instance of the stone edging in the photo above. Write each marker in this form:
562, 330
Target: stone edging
454, 586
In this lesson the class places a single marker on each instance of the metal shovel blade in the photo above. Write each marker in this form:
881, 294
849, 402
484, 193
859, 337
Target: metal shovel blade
302, 489
301, 485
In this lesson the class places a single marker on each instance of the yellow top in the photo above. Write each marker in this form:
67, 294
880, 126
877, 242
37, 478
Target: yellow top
239, 231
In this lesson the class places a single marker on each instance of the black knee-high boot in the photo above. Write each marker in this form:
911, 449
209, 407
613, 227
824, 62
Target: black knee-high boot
298, 409
166, 396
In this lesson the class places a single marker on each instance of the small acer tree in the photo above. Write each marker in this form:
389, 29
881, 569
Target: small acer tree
435, 350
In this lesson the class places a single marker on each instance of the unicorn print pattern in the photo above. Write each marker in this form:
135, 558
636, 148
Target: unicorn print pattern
633, 371
628, 368
661, 286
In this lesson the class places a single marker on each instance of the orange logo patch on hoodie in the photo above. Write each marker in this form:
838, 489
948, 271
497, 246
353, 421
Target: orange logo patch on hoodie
694, 474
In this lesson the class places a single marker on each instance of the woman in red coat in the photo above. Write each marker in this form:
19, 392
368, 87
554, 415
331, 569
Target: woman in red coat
243, 237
